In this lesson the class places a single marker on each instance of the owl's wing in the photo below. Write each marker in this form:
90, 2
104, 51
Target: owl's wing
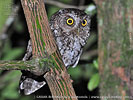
75, 64
28, 54
29, 83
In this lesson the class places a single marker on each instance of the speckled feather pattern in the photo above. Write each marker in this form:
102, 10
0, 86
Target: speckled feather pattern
70, 41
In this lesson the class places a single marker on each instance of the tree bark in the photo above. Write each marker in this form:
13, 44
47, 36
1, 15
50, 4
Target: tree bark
44, 47
115, 27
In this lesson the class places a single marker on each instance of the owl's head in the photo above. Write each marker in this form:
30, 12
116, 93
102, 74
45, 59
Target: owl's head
71, 21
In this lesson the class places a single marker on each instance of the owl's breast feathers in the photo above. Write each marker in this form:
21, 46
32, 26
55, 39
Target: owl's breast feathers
70, 47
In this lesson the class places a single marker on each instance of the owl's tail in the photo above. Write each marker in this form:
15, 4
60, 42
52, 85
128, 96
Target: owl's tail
29, 83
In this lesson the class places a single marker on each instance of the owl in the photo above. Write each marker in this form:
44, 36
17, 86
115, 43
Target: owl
71, 29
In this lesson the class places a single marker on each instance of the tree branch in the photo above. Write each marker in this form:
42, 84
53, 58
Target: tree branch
62, 5
17, 65
89, 54
44, 47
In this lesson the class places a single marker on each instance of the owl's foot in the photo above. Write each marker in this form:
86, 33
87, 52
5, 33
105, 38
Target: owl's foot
29, 86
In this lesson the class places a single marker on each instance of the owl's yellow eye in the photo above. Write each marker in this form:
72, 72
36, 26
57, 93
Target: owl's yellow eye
84, 22
69, 21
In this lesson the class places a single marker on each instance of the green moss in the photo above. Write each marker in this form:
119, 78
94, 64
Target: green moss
38, 25
61, 82
40, 29
110, 84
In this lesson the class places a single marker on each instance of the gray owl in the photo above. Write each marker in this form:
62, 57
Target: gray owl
70, 28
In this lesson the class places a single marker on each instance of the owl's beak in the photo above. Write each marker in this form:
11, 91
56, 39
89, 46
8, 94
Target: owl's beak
78, 31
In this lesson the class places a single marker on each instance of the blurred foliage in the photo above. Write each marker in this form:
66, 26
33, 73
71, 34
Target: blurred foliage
87, 72
5, 11
95, 62
52, 10
18, 25
91, 9
94, 82
11, 53
10, 79
95, 78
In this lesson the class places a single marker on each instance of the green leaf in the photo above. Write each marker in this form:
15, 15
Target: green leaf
94, 82
13, 54
95, 63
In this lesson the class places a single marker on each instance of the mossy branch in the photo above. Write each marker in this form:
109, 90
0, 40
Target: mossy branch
44, 46
17, 65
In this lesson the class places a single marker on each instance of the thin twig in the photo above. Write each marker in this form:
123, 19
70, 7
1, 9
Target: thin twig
17, 65
81, 2
62, 5
89, 54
